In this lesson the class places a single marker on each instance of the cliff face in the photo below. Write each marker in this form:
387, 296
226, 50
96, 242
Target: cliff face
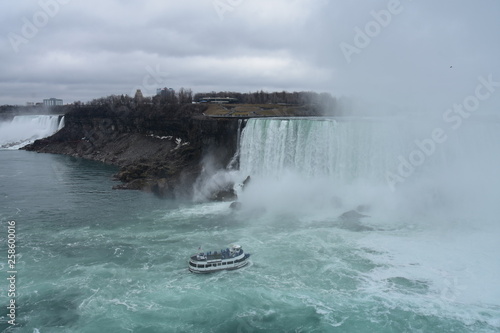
158, 149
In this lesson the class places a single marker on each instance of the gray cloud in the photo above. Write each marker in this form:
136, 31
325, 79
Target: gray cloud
89, 49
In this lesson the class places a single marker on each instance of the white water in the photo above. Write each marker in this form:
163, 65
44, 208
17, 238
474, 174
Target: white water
393, 165
436, 224
23, 130
92, 262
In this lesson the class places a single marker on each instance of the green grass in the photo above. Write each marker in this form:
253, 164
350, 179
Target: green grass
249, 110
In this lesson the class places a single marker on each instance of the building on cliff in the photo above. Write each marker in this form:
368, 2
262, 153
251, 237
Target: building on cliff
52, 102
218, 100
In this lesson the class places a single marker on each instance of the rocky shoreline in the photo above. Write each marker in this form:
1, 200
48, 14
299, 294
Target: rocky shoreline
159, 150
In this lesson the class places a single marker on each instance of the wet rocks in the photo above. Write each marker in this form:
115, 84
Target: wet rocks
156, 151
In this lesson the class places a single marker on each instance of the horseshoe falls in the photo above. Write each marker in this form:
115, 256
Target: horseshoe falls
400, 168
353, 224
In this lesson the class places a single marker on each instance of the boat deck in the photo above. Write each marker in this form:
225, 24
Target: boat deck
222, 254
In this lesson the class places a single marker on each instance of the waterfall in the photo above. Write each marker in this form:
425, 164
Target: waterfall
343, 150
412, 165
22, 130
61, 124
233, 164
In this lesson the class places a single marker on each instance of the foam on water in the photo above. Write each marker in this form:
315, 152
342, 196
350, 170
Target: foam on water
317, 163
93, 259
432, 234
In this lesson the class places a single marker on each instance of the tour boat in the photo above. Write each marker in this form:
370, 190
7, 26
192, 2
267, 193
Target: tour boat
230, 258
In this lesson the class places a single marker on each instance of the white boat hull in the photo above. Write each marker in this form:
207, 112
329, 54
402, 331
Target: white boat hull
225, 260
216, 269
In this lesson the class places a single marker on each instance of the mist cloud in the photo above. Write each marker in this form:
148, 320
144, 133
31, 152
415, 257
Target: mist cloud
428, 56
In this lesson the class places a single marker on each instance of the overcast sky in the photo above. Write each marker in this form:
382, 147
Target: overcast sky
388, 53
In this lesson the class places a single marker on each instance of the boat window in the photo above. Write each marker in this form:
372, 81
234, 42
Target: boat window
224, 263
201, 266
191, 264
230, 263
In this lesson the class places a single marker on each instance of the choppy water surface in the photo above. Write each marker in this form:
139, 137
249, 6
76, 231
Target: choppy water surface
96, 260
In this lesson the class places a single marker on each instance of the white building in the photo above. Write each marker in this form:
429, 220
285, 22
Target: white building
52, 102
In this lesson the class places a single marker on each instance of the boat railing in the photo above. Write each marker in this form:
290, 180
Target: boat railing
222, 254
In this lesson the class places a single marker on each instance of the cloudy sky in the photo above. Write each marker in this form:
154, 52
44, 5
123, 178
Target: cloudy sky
388, 53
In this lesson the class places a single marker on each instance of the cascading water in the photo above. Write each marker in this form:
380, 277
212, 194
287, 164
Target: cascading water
422, 190
234, 161
90, 250
393, 164
61, 124
22, 130
340, 150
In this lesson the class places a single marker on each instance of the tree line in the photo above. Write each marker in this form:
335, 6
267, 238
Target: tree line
283, 97
184, 96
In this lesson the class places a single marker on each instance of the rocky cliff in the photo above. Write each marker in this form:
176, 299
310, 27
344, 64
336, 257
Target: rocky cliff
158, 149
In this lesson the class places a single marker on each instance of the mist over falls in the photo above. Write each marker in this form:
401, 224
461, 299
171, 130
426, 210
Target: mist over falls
388, 166
22, 130
395, 169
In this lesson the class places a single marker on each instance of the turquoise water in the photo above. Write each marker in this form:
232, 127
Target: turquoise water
91, 259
